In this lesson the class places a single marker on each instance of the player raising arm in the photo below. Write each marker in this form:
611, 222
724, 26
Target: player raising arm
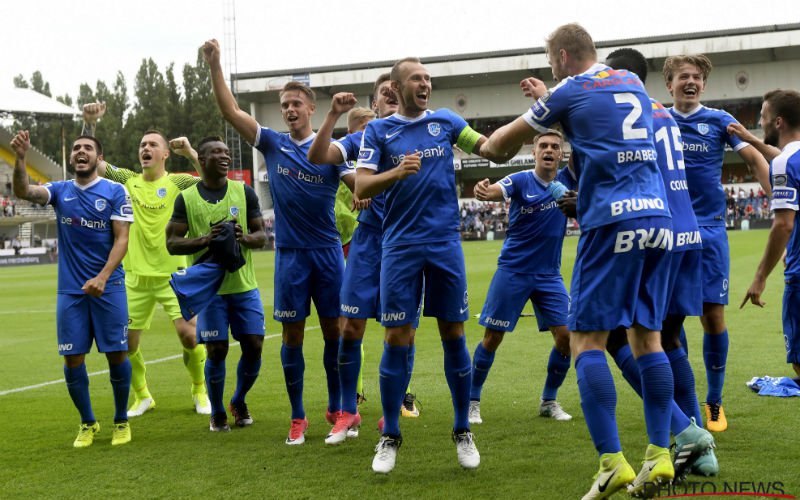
93, 215
308, 259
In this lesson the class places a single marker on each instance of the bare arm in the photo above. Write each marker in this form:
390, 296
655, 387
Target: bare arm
322, 150
92, 112
21, 143
349, 181
178, 244
182, 147
776, 244
769, 152
758, 166
97, 285
255, 237
245, 124
506, 141
488, 192
370, 183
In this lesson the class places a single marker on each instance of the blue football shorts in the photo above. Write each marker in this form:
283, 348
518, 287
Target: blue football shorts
360, 295
716, 264
621, 275
791, 321
303, 275
508, 293
242, 312
81, 318
438, 268
685, 288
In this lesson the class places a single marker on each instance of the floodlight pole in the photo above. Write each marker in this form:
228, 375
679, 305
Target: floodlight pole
63, 152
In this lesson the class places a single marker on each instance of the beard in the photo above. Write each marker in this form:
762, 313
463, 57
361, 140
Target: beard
85, 174
771, 138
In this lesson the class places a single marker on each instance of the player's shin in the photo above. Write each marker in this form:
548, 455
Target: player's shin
349, 369
458, 372
598, 400
78, 386
393, 380
120, 376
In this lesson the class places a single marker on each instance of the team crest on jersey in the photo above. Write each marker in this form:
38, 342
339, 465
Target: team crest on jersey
100, 205
703, 128
162, 192
234, 211
779, 180
434, 129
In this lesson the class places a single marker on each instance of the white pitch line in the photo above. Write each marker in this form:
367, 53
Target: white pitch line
31, 311
103, 372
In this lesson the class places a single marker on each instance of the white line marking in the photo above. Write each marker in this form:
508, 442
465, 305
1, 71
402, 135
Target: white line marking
31, 311
103, 372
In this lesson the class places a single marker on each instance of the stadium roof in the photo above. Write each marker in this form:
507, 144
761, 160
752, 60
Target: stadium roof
17, 100
40, 167
526, 51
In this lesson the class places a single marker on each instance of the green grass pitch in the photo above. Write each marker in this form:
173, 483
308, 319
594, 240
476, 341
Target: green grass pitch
523, 456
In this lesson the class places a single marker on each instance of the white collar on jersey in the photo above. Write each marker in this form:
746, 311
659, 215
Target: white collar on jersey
690, 113
412, 119
84, 187
541, 181
303, 141
594, 68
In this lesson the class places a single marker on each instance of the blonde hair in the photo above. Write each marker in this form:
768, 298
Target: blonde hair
547, 132
574, 39
395, 73
699, 61
357, 116
300, 87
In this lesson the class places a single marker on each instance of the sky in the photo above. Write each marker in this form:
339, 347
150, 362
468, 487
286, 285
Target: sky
76, 41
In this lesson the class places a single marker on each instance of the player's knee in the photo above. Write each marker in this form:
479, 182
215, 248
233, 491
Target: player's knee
252, 346
115, 358
492, 339
713, 318
561, 339
293, 333
217, 351
796, 367
450, 330
74, 360
617, 339
353, 329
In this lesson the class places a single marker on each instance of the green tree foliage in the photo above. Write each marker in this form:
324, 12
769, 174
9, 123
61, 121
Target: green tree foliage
158, 102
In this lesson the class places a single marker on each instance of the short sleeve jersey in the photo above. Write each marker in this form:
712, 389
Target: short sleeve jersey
704, 138
607, 117
421, 208
536, 226
785, 180
152, 203
669, 148
303, 193
349, 146
84, 216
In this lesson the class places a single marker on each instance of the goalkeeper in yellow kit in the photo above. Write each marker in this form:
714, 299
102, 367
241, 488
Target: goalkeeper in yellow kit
147, 264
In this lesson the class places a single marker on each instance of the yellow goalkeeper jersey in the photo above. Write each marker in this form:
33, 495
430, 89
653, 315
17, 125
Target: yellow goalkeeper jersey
153, 202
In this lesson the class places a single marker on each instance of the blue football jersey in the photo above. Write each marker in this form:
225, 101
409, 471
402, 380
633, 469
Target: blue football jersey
536, 226
607, 117
785, 179
704, 138
669, 147
303, 193
422, 208
349, 145
85, 232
